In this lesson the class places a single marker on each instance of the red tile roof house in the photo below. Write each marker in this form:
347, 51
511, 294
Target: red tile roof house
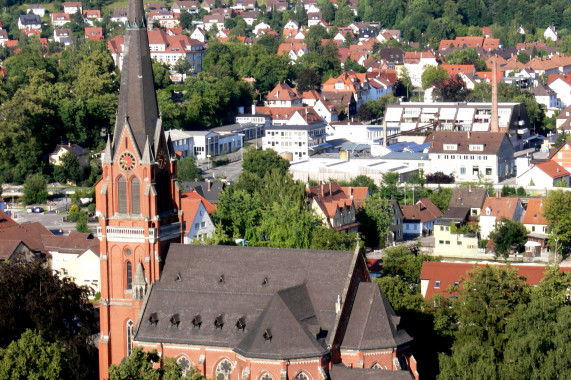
94, 33
544, 175
536, 224
496, 208
439, 277
196, 216
337, 206
420, 218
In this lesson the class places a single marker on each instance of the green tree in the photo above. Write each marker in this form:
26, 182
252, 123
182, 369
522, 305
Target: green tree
508, 236
35, 190
32, 357
523, 57
313, 38
432, 74
327, 238
138, 366
451, 90
183, 67
161, 75
389, 186
187, 170
260, 162
68, 169
466, 57
375, 218
441, 197
268, 42
55, 307
557, 212
307, 80
185, 20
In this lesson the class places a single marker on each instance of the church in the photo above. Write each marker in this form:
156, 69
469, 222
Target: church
240, 313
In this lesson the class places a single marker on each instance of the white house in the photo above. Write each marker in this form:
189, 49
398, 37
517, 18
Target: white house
295, 142
36, 9
63, 36
76, 256
262, 25
496, 208
416, 63
198, 34
546, 96
419, 219
561, 85
550, 33
29, 21
326, 111
546, 174
72, 7
59, 19
197, 221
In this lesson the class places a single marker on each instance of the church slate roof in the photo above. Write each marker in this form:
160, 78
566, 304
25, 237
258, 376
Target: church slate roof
373, 323
137, 98
288, 293
339, 371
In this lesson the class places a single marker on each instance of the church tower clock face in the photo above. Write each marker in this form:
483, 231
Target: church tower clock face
162, 159
127, 161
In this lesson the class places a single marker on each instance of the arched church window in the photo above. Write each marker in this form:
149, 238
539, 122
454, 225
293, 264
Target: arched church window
223, 370
122, 195
135, 196
185, 364
377, 366
129, 337
266, 376
129, 276
302, 376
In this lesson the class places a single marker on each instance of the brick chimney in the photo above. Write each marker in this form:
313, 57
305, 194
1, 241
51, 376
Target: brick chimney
494, 127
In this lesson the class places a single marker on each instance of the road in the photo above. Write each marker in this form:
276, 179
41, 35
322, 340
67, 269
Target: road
51, 220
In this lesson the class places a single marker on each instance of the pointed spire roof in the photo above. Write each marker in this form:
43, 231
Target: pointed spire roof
137, 98
139, 278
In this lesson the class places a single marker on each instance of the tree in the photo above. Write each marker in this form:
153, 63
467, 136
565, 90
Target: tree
313, 38
269, 42
451, 90
375, 218
55, 307
185, 20
349, 64
441, 198
161, 75
327, 238
260, 162
32, 357
187, 170
523, 57
138, 366
466, 57
389, 187
440, 177
432, 74
35, 190
557, 212
307, 80
508, 236
183, 67
68, 169
364, 113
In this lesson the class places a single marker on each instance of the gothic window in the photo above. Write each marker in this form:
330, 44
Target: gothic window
301, 376
129, 275
135, 196
377, 366
266, 376
185, 364
223, 370
129, 337
122, 195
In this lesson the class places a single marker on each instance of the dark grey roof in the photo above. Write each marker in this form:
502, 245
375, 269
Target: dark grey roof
201, 187
469, 197
373, 323
405, 156
137, 98
73, 148
30, 19
393, 55
340, 372
454, 214
288, 291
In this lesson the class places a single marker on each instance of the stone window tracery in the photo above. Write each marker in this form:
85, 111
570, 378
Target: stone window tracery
223, 370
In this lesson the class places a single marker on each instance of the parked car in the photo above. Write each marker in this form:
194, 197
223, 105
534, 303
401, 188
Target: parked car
38, 209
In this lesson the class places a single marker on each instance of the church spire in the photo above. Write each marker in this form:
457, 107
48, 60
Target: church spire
137, 98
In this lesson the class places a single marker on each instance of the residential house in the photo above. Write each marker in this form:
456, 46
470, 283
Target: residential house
419, 219
75, 256
416, 63
326, 111
3, 37
196, 212
59, 19
91, 15
393, 57
29, 21
198, 34
182, 141
153, 7
313, 18
278, 5
29, 234
119, 15
72, 7
166, 19
545, 96
443, 278
344, 102
191, 7
294, 50
561, 85
551, 65
336, 207
250, 16
209, 21
536, 224
36, 9
94, 33
61, 149
283, 96
547, 174
296, 142
496, 208
63, 35
472, 155
207, 189
396, 227
350, 82
550, 33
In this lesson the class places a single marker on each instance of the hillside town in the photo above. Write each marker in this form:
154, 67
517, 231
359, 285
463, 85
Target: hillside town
263, 190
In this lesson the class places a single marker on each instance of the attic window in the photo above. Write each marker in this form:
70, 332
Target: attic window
175, 320
219, 322
241, 323
266, 281
456, 283
178, 278
436, 284
196, 321
154, 319
221, 279
268, 335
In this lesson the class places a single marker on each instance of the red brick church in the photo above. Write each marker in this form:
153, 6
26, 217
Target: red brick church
236, 313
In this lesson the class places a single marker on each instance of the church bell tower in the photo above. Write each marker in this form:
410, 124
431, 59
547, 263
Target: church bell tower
138, 199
